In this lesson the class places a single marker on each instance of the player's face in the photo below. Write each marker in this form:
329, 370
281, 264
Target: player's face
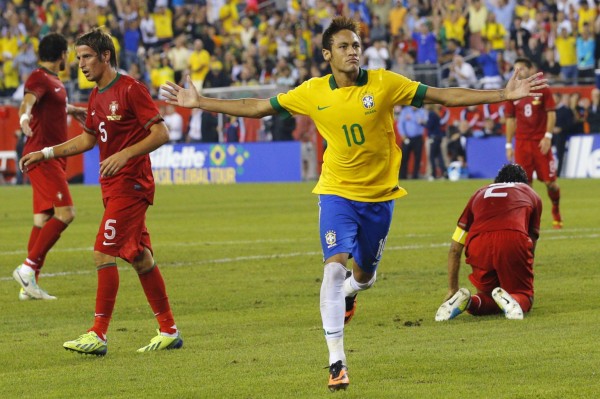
345, 52
91, 63
524, 72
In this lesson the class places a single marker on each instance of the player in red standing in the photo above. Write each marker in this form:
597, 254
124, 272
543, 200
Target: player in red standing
126, 124
531, 121
499, 228
43, 119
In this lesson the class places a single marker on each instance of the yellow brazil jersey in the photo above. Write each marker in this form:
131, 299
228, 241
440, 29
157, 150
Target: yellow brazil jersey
362, 160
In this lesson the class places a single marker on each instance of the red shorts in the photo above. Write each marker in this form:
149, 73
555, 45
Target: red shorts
529, 156
50, 188
123, 232
501, 259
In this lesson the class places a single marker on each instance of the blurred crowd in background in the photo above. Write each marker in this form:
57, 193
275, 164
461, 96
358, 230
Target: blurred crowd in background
224, 43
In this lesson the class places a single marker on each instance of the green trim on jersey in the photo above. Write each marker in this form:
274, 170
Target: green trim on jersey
277, 107
361, 80
110, 84
419, 97
152, 121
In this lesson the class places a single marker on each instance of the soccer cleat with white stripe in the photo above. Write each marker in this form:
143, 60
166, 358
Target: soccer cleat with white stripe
454, 306
511, 308
28, 284
161, 342
87, 344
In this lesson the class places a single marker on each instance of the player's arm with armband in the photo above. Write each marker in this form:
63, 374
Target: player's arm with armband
454, 255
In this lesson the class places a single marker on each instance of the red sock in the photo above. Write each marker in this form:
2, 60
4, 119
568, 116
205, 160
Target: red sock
554, 197
46, 239
156, 293
524, 301
33, 236
106, 296
483, 304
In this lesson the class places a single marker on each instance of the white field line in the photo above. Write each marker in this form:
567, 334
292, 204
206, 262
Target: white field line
284, 255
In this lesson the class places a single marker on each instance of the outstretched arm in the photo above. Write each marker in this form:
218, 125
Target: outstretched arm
190, 98
515, 89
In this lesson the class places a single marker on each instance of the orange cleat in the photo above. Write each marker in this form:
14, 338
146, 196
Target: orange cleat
338, 377
350, 308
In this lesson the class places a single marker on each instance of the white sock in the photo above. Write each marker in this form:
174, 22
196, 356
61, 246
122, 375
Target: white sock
333, 308
351, 286
336, 349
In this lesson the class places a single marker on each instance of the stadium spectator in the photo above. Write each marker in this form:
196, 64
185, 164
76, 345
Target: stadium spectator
435, 136
563, 128
586, 48
503, 10
531, 122
306, 134
494, 32
194, 134
350, 188
567, 56
179, 56
520, 37
198, 63
378, 31
209, 127
148, 30
462, 73
127, 188
489, 61
550, 66
377, 55
174, 122
411, 126
499, 229
477, 18
593, 114
397, 18
43, 119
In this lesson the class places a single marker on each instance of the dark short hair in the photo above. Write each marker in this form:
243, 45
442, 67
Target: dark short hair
100, 42
511, 173
338, 24
51, 47
525, 61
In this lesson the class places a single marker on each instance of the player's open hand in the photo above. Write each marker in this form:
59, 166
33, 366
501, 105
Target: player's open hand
113, 164
26, 128
177, 95
30, 159
80, 114
518, 88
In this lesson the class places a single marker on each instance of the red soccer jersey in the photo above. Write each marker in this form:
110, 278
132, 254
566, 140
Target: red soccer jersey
49, 113
502, 206
531, 115
121, 115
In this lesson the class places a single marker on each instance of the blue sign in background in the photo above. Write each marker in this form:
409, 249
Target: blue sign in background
217, 163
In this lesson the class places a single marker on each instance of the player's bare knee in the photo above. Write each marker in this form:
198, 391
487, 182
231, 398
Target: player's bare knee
65, 214
144, 262
101, 259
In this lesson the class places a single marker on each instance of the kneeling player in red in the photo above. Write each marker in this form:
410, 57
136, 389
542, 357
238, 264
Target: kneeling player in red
499, 229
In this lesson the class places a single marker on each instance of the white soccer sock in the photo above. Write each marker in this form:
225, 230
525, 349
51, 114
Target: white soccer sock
333, 308
351, 286
27, 269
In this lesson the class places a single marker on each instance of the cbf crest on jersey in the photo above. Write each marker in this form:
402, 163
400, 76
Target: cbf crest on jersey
113, 108
368, 102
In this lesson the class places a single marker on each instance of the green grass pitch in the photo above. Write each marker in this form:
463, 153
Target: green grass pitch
243, 268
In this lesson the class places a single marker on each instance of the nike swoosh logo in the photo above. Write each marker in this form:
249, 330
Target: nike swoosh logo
319, 108
505, 300
452, 302
108, 244
25, 283
57, 89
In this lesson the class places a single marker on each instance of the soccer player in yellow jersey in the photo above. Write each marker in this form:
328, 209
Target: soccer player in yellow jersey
353, 111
